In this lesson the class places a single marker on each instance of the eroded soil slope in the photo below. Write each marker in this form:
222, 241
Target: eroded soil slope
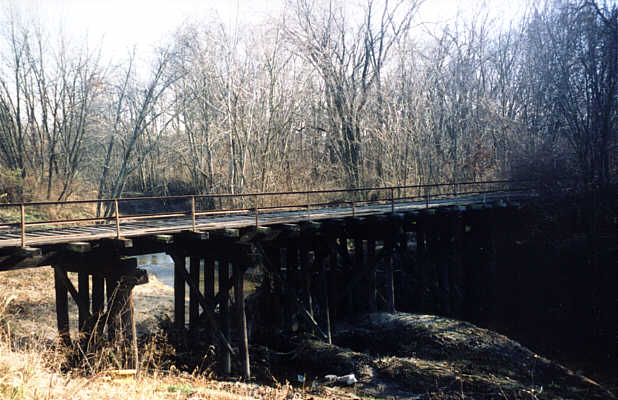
421, 356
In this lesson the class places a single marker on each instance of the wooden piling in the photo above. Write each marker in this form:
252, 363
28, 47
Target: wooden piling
305, 264
225, 356
456, 266
62, 307
324, 289
209, 282
292, 287
113, 307
326, 305
388, 272
421, 257
330, 267
242, 318
127, 317
442, 252
83, 288
372, 286
98, 303
359, 268
179, 291
274, 256
194, 306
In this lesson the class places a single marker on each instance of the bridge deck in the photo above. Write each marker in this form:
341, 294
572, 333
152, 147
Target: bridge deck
158, 225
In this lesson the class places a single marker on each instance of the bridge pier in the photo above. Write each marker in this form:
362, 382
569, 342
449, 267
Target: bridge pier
103, 280
216, 260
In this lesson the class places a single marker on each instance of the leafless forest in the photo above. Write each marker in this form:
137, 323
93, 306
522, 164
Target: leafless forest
320, 96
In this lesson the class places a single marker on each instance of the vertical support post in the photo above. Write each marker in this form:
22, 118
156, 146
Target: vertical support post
98, 303
456, 263
393, 200
325, 286
62, 308
226, 357
420, 261
491, 251
443, 244
113, 306
308, 208
23, 224
194, 306
306, 278
209, 288
353, 208
83, 292
257, 211
179, 291
274, 254
291, 257
127, 316
343, 304
359, 266
388, 271
242, 318
333, 300
117, 214
427, 190
456, 193
371, 255
193, 214
209, 281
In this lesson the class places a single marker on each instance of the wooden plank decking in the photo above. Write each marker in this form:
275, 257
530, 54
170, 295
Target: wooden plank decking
155, 225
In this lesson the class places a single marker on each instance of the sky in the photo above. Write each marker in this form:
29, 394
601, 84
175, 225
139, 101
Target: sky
118, 25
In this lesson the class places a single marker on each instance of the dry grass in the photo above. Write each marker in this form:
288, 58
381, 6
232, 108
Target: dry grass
32, 366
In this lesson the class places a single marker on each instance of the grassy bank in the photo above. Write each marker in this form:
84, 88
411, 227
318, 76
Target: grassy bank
32, 366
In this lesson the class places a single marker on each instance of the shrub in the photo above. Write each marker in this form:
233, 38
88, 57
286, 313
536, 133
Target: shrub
11, 185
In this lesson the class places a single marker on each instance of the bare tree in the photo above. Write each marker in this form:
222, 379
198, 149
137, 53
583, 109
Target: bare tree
12, 132
573, 48
138, 109
349, 55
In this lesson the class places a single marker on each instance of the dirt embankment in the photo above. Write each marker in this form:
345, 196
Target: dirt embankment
407, 356
401, 356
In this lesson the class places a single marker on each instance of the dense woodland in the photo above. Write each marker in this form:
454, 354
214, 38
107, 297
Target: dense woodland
323, 95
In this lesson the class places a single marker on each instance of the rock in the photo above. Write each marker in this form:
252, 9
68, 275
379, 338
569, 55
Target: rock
348, 379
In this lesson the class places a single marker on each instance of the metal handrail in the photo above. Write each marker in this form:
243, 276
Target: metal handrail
390, 198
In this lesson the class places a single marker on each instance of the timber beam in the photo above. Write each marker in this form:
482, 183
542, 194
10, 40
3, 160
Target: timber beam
12, 258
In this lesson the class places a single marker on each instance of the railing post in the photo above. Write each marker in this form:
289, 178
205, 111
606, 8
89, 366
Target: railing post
193, 213
23, 224
308, 208
117, 218
427, 189
456, 193
393, 200
257, 212
353, 208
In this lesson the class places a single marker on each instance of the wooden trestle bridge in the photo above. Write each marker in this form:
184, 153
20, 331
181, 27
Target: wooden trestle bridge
324, 254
